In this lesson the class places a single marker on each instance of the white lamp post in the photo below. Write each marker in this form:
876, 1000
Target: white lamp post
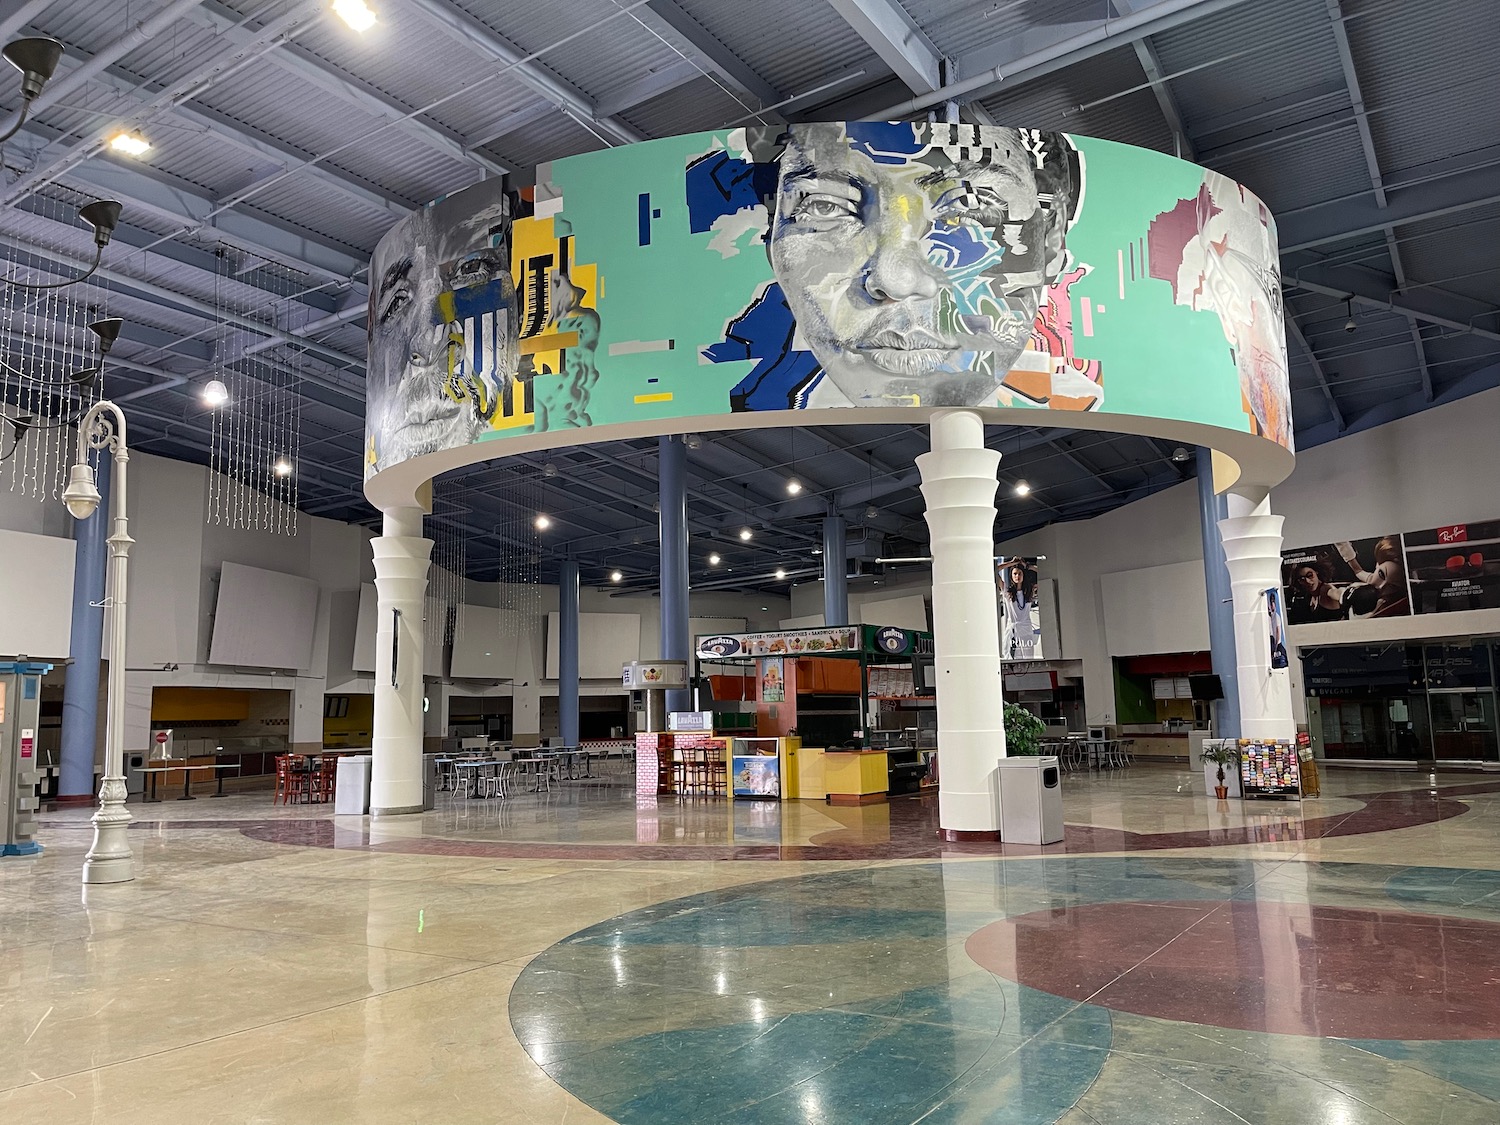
103, 427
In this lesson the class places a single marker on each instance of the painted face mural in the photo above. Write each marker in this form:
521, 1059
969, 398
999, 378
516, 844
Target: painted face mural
1218, 251
443, 352
824, 265
911, 258
914, 257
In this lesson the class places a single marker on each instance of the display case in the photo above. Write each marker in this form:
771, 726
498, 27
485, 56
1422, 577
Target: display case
1269, 768
755, 767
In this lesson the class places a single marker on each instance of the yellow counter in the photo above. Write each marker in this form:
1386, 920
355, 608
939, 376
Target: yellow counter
856, 777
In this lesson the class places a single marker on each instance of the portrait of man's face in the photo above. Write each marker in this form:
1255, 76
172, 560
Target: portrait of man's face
443, 342
914, 256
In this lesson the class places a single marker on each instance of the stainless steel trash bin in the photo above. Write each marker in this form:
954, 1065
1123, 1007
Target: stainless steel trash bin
1030, 800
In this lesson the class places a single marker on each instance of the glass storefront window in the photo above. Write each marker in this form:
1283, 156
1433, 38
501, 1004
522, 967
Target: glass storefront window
1400, 702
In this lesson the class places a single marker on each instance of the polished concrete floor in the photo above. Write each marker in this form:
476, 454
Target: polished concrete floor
581, 955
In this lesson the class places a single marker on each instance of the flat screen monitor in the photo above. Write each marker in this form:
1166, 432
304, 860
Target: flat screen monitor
1206, 687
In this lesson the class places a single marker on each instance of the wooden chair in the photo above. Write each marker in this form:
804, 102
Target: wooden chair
322, 780
284, 781
717, 770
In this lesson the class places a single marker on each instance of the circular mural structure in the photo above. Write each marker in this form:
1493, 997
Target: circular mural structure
868, 272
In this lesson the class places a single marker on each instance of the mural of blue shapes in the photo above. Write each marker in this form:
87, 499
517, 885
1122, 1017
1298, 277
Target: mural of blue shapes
784, 375
961, 247
885, 142
461, 304
1471, 1064
719, 184
645, 213
1477, 891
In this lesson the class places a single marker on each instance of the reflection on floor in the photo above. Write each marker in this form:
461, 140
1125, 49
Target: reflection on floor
579, 956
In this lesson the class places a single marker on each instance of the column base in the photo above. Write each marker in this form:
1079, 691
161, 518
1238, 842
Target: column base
958, 836
402, 810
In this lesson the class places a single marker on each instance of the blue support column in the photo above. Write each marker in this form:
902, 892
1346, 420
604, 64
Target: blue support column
835, 571
80, 719
672, 486
567, 653
1211, 509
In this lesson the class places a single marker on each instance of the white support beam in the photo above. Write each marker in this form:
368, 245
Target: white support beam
896, 38
653, 84
477, 34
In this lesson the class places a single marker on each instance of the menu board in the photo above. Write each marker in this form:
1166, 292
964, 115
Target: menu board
1269, 768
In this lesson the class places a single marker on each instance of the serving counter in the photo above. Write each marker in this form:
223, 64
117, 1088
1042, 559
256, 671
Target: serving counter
856, 777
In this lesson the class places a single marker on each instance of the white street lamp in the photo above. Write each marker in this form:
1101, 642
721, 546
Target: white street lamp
103, 427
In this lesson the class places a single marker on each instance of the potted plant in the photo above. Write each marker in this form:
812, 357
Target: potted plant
1023, 732
1221, 755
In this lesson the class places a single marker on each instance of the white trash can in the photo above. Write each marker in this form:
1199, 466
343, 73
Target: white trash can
351, 785
1031, 809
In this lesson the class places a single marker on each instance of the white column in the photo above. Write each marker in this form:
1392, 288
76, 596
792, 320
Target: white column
401, 558
1252, 549
959, 483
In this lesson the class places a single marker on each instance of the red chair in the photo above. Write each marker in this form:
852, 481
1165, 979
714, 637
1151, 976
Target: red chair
284, 780
322, 780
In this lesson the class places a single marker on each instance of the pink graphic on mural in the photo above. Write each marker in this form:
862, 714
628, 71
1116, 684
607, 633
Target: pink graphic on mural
1218, 253
1048, 372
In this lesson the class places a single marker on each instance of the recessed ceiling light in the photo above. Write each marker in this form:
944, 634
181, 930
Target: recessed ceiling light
615, 576
215, 393
356, 13
542, 523
714, 560
131, 144
282, 468
793, 486
746, 534
1022, 488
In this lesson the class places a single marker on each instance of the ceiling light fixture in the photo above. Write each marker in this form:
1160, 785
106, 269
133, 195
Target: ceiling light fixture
1022, 488
215, 393
871, 512
714, 560
746, 534
541, 523
356, 13
131, 144
1349, 325
780, 573
793, 486
1179, 455
36, 58
615, 576
282, 468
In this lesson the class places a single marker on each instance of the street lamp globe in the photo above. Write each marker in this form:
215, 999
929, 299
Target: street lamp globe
82, 495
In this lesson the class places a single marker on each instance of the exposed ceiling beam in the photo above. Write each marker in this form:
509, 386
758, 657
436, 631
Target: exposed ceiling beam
221, 65
668, 20
1145, 54
176, 203
1099, 38
61, 86
352, 91
1372, 165
1339, 220
1426, 304
896, 38
257, 142
477, 34
653, 84
1295, 332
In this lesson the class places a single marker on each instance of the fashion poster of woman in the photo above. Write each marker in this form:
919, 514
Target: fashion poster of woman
1020, 618
1278, 628
1346, 580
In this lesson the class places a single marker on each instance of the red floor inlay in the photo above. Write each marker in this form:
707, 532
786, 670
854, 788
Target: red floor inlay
1288, 968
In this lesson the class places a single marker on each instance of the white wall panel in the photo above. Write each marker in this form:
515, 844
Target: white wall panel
264, 619
605, 642
36, 594
1155, 610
